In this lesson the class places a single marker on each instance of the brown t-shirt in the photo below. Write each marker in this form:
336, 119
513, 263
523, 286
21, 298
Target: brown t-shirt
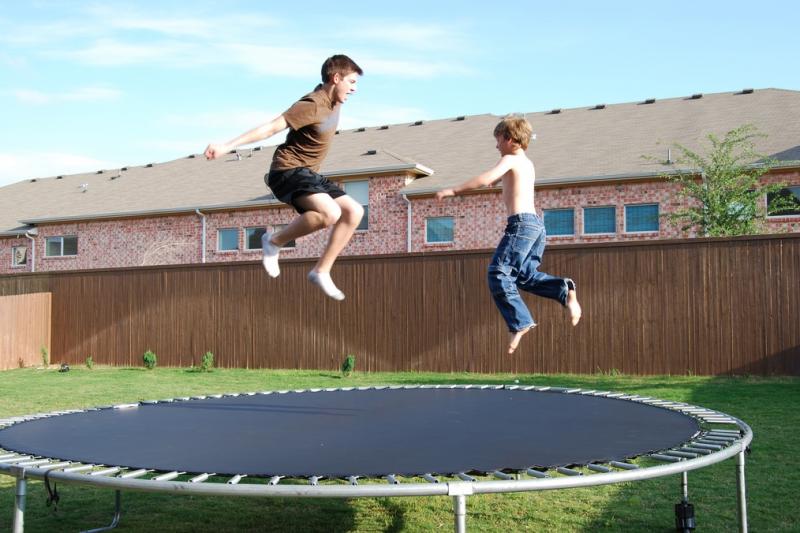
312, 123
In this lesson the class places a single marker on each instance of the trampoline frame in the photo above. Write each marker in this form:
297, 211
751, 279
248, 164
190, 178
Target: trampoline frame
711, 445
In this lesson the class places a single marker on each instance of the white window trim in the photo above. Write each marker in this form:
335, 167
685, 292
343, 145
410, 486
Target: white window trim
554, 235
440, 242
278, 227
644, 232
62, 255
221, 251
246, 240
366, 205
27, 257
779, 218
583, 225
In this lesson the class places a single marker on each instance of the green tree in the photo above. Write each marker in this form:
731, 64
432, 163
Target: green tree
723, 186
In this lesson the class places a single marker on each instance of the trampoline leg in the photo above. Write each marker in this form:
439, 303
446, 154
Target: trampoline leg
115, 521
460, 513
685, 486
19, 500
742, 495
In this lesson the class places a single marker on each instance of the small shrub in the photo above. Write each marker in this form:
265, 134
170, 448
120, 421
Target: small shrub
349, 365
207, 362
45, 357
149, 358
89, 363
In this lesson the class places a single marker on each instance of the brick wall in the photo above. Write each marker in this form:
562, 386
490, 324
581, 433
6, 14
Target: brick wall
478, 224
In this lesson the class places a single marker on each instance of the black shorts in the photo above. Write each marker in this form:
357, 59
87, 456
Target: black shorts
290, 184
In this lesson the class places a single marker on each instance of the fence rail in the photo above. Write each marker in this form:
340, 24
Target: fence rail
702, 306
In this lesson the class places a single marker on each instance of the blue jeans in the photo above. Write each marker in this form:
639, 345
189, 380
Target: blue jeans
515, 265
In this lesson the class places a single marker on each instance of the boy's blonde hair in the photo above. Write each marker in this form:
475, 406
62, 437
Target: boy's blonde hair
515, 128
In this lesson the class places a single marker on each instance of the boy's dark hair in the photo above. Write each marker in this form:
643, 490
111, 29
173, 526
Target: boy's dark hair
341, 64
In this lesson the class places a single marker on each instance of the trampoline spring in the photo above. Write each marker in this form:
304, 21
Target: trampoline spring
465, 477
598, 468
168, 476
572, 391
502, 475
680, 453
623, 466
78, 468
105, 471
134, 473
707, 446
429, 478
236, 479
17, 459
200, 478
7, 456
274, 480
568, 471
54, 466
735, 432
353, 480
665, 458
700, 451
715, 438
392, 479
616, 395
536, 473
314, 480
126, 406
35, 462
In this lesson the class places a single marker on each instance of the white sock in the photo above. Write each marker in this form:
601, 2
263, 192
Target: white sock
270, 259
323, 281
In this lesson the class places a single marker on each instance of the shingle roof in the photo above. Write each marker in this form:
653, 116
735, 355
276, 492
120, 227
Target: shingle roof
574, 145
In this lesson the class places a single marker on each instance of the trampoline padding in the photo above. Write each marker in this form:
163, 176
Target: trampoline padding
368, 433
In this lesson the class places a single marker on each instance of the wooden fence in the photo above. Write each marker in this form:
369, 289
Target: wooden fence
702, 306
24, 329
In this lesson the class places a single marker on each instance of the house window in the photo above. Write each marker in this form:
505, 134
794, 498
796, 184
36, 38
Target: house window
789, 196
252, 238
19, 256
227, 239
599, 220
438, 229
641, 218
279, 227
359, 191
61, 246
559, 222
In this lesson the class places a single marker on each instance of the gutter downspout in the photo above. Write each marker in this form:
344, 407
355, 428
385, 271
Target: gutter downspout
408, 223
203, 217
29, 234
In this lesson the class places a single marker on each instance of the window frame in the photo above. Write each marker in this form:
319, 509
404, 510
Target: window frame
544, 218
453, 221
599, 234
796, 192
365, 219
61, 239
219, 240
649, 231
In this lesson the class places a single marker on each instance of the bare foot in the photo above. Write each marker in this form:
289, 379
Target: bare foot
573, 307
515, 337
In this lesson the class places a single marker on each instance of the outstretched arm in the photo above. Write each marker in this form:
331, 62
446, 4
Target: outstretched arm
213, 151
487, 178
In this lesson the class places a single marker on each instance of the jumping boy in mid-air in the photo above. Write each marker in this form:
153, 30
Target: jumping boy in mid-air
294, 174
519, 253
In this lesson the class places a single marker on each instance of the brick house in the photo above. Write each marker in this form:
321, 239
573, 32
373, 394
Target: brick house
593, 185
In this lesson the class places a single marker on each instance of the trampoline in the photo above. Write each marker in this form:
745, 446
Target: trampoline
374, 441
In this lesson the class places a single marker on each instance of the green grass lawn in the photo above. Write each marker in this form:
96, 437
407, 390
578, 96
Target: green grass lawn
771, 407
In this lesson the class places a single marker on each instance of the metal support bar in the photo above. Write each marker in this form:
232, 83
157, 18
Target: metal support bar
685, 487
460, 513
114, 521
19, 500
742, 494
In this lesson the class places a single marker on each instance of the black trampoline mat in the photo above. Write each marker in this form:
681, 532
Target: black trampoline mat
359, 432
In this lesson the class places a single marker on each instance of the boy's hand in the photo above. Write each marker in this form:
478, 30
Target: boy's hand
214, 151
444, 193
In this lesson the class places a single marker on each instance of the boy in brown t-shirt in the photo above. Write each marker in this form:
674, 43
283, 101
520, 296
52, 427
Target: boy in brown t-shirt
294, 174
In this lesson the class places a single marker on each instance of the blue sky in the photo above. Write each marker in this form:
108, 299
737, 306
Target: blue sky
90, 85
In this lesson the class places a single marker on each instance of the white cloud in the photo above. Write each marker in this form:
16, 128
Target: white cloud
83, 94
416, 36
24, 165
378, 115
